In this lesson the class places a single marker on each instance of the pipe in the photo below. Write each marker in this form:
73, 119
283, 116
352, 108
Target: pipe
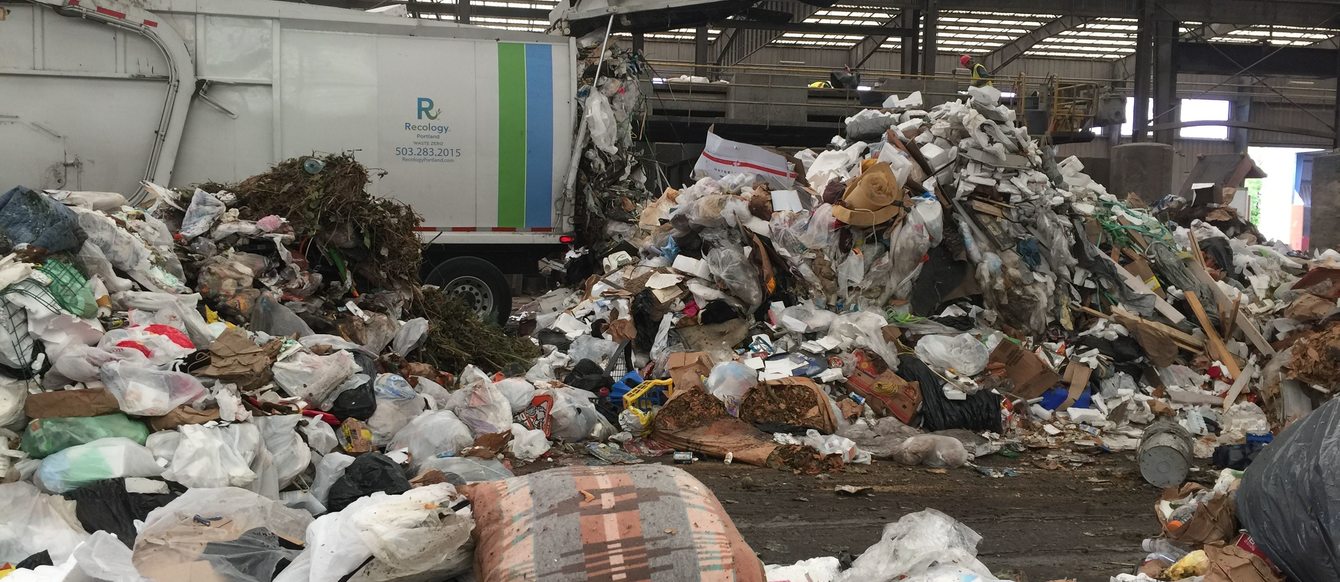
570, 183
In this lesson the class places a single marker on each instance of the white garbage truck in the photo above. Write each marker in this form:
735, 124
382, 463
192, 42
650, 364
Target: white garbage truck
472, 126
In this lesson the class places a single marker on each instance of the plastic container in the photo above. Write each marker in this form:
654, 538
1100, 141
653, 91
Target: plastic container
1165, 454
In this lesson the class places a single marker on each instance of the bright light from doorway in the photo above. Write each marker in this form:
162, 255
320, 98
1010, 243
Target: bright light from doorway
1278, 195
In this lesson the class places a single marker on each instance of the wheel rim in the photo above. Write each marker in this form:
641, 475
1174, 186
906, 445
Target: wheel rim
474, 292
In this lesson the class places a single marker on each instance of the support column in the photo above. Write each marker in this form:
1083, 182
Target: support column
910, 53
1242, 111
639, 41
1144, 72
700, 52
1166, 106
463, 11
929, 43
1335, 141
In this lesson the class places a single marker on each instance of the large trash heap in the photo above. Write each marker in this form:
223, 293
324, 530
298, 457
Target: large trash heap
249, 382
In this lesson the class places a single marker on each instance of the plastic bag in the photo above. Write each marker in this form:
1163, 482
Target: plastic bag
107, 458
179, 311
171, 536
1290, 500
518, 392
272, 317
825, 569
908, 247
430, 434
415, 529
51, 435
469, 469
213, 456
863, 329
397, 404
931, 450
480, 405
161, 344
828, 445
368, 474
961, 353
27, 217
588, 347
528, 444
290, 454
600, 122
732, 270
328, 471
33, 521
82, 364
315, 378
729, 382
204, 211
574, 415
922, 547
410, 336
149, 392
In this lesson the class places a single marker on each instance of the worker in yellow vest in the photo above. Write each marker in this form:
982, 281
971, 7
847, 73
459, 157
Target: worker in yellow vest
980, 76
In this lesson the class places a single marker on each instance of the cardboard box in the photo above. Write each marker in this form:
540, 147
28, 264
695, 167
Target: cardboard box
1030, 375
688, 369
70, 403
886, 392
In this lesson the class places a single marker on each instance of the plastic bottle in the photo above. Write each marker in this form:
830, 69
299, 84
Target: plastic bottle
1162, 549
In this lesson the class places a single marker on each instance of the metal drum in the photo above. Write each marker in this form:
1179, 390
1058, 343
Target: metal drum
1165, 454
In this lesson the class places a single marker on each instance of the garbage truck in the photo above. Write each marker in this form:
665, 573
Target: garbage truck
471, 126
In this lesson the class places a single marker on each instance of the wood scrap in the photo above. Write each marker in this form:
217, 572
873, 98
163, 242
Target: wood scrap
1239, 384
1214, 343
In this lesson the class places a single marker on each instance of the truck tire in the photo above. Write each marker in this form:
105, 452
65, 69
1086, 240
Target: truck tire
476, 282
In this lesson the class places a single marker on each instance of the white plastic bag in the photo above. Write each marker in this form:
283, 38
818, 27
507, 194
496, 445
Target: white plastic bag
328, 471
397, 404
315, 378
574, 415
214, 456
171, 535
33, 521
824, 569
290, 454
107, 458
827, 445
518, 392
961, 353
729, 382
528, 444
204, 211
13, 395
161, 344
320, 436
480, 405
147, 391
600, 122
415, 529
863, 329
83, 363
469, 469
431, 434
410, 336
926, 546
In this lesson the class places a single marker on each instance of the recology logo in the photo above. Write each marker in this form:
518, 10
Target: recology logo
426, 109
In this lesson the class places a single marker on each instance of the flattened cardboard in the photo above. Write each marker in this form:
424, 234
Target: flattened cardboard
688, 369
1030, 375
70, 403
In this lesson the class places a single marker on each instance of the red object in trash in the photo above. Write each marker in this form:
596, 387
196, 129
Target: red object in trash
1246, 542
325, 417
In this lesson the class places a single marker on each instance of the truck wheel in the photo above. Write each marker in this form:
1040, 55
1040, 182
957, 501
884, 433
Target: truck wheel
477, 283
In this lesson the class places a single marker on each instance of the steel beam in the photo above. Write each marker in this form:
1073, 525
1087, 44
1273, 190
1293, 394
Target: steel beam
1010, 51
1144, 72
929, 37
700, 54
910, 52
737, 41
1166, 106
1199, 34
810, 27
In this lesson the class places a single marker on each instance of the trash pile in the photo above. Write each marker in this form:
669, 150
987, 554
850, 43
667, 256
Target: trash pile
941, 291
608, 176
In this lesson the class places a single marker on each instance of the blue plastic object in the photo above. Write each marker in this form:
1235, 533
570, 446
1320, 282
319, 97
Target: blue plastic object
1055, 397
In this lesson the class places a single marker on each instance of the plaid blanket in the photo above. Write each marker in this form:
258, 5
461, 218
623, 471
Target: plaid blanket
617, 523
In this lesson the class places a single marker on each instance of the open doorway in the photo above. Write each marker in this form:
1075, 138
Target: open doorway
1280, 207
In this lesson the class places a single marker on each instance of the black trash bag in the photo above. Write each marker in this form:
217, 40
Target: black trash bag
1219, 254
644, 320
940, 275
107, 506
42, 558
1289, 499
588, 376
257, 555
1236, 457
358, 402
368, 474
27, 217
981, 411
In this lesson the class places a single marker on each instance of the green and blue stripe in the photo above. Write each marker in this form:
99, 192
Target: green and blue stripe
525, 135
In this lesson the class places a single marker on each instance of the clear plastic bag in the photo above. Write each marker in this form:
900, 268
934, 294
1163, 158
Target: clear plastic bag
107, 458
480, 405
149, 392
528, 444
410, 336
430, 434
931, 450
574, 415
172, 536
600, 122
276, 319
397, 404
204, 211
33, 521
863, 329
961, 353
926, 546
315, 378
161, 344
414, 530
588, 347
732, 270
328, 470
729, 382
469, 469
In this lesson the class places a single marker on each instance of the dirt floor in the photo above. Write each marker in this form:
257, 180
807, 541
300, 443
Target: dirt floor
1084, 524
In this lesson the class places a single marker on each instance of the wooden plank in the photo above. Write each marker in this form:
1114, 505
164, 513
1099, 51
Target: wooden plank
1227, 318
1184, 340
1214, 343
1163, 307
1245, 324
1239, 384
1195, 248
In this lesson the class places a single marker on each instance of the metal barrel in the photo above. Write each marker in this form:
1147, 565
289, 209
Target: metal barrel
1165, 454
